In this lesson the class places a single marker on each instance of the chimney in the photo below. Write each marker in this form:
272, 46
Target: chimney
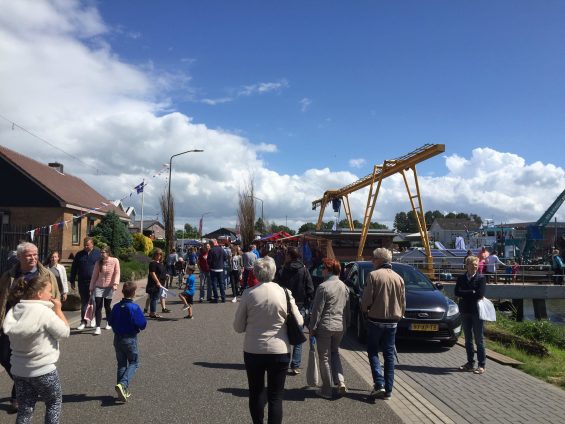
56, 166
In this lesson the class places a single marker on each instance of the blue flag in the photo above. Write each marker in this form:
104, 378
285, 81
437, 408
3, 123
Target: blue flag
139, 187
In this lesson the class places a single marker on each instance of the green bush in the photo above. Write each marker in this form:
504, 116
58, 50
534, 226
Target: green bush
126, 253
541, 331
159, 244
142, 243
132, 270
113, 232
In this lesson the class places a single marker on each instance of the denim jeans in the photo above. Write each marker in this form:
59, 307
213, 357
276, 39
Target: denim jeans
275, 366
205, 281
217, 280
473, 326
127, 355
381, 338
154, 298
297, 349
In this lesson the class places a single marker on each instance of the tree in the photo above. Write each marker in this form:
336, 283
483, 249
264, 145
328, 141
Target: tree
377, 226
260, 226
309, 226
113, 232
401, 223
246, 213
168, 212
189, 232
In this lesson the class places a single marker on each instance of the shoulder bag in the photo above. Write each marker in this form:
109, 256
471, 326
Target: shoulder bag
295, 333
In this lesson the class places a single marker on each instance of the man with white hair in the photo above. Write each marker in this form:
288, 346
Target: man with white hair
384, 303
26, 268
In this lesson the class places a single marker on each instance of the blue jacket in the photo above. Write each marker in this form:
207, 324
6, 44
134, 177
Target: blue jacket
216, 258
127, 318
83, 266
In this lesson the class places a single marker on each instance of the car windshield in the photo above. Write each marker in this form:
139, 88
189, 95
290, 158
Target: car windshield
414, 280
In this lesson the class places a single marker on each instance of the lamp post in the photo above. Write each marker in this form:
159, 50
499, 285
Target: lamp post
169, 190
262, 217
200, 224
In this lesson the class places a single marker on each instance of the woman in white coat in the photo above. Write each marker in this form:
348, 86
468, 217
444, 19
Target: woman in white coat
261, 315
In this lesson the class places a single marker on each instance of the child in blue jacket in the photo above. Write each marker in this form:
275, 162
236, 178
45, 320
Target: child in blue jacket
187, 295
127, 320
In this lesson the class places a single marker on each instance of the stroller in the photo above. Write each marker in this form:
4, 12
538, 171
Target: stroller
180, 268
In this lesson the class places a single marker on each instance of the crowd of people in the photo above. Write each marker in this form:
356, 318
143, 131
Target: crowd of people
269, 291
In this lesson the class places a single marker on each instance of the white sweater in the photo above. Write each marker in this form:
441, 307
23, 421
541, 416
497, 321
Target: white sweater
34, 331
261, 314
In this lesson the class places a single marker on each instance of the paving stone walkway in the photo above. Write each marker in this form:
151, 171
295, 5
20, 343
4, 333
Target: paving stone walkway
430, 389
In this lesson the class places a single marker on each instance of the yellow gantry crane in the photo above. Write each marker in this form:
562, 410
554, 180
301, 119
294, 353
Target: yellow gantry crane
402, 165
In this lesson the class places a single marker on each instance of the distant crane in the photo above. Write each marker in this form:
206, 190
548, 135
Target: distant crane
535, 232
389, 167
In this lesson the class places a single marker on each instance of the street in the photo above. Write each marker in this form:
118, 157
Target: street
191, 372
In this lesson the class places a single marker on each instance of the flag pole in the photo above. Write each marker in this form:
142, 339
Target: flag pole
142, 193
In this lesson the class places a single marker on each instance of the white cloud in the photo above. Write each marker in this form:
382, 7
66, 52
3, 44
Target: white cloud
214, 102
60, 79
263, 87
305, 104
356, 163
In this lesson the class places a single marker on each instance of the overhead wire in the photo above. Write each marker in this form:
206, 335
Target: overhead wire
15, 124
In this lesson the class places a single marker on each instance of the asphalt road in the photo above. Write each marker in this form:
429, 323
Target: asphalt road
191, 372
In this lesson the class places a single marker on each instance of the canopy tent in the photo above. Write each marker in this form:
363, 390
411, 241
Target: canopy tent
277, 236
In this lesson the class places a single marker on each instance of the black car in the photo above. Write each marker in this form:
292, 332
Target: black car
430, 315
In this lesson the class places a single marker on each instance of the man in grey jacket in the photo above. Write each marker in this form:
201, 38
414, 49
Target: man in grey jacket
384, 302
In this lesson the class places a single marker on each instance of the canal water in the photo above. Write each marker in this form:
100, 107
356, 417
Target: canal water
555, 310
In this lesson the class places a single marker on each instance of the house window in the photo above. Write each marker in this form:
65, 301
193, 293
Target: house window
90, 225
76, 231
4, 218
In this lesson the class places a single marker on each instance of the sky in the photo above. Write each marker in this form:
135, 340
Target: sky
298, 96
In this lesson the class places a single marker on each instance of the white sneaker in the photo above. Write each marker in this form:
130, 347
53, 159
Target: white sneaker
234, 300
108, 327
92, 323
97, 332
81, 326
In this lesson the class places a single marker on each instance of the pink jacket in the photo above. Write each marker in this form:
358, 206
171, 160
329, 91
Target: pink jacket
108, 277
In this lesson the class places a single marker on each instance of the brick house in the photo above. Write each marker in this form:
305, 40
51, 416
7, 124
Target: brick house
151, 228
39, 195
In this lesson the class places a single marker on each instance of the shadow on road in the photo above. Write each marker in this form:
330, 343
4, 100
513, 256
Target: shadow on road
427, 370
302, 393
221, 366
104, 400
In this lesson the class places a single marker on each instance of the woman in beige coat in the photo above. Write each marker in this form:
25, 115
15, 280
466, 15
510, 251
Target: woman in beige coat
261, 315
328, 322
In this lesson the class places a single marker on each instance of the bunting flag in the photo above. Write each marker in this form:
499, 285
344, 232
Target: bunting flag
64, 224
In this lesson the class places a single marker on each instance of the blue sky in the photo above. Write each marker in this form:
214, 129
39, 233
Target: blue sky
380, 77
302, 96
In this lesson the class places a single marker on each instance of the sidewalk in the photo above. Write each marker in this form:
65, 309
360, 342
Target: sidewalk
430, 389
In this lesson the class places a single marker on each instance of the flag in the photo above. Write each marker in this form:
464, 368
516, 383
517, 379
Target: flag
139, 187
200, 228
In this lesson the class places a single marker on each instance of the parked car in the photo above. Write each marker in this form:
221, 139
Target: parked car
430, 315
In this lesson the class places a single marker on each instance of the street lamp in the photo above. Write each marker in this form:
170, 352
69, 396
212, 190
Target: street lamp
169, 190
200, 224
262, 217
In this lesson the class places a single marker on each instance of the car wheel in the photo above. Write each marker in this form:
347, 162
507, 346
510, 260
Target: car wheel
361, 332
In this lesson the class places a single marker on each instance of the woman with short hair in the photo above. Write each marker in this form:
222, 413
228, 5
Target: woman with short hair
155, 280
261, 315
328, 322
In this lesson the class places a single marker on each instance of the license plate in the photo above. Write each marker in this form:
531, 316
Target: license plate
424, 327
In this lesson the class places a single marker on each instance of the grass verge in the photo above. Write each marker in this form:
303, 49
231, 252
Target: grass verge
550, 368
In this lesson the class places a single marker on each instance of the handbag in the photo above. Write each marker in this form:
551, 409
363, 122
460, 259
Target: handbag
312, 371
486, 310
295, 333
89, 313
